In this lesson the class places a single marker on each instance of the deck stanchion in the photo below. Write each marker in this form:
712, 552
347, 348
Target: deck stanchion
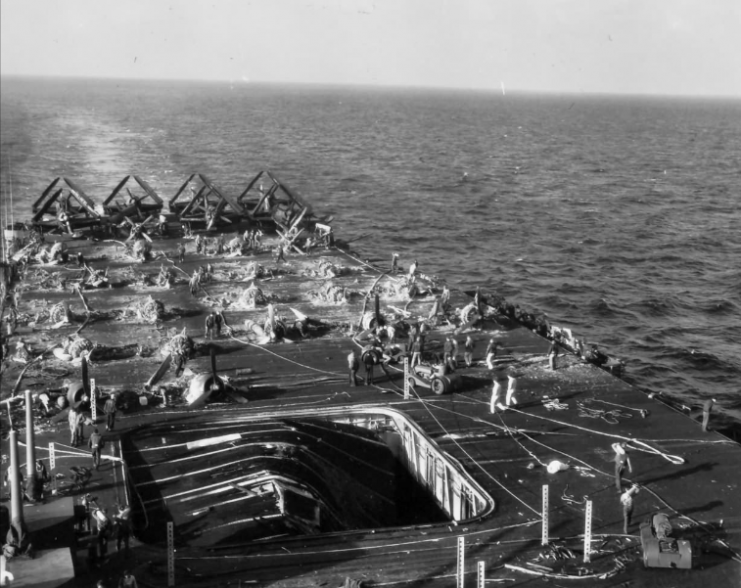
544, 538
93, 400
481, 577
30, 438
406, 378
5, 577
588, 532
460, 572
170, 554
16, 492
52, 465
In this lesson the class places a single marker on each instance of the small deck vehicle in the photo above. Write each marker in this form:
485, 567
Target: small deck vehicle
435, 378
659, 549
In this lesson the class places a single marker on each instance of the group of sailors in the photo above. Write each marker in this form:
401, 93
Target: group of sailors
250, 240
96, 520
380, 346
214, 323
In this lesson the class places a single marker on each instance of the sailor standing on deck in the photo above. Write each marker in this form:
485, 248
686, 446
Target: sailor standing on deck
448, 354
416, 352
468, 347
707, 406
413, 332
87, 502
162, 224
278, 254
413, 269
103, 524
75, 419
391, 337
44, 399
41, 472
123, 527
41, 477
496, 391
445, 299
553, 354
370, 356
210, 325
96, 445
626, 499
218, 323
109, 408
491, 353
353, 364
511, 389
621, 460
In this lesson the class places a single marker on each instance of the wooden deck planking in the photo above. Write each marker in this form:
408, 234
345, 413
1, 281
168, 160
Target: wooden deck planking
313, 374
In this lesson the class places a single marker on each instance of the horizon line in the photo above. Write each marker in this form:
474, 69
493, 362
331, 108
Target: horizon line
493, 90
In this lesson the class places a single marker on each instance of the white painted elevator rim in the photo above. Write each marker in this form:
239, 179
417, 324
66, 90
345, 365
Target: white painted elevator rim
400, 421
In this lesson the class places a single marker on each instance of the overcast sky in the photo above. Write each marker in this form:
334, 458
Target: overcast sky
622, 46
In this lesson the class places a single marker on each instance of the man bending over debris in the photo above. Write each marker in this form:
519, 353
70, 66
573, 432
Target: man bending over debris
626, 499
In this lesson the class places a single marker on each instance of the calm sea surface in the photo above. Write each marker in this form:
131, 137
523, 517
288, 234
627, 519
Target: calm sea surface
619, 217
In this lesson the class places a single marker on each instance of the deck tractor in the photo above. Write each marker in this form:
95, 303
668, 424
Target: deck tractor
434, 377
660, 550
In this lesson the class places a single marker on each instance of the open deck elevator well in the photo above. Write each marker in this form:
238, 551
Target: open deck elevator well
237, 479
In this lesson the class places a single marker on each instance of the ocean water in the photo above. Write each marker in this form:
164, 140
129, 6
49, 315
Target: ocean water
617, 217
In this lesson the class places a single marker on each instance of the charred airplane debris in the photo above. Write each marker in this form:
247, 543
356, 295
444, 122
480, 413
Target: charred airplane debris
64, 207
135, 208
200, 203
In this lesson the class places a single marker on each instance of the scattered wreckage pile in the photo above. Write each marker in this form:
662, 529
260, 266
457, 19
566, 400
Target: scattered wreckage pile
235, 257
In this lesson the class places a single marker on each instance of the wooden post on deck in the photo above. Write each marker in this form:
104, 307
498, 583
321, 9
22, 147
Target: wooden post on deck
544, 538
406, 378
460, 572
588, 532
481, 576
170, 554
52, 465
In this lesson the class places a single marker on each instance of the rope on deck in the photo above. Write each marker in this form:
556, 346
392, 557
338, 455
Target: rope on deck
506, 428
360, 261
473, 460
736, 556
543, 574
284, 357
675, 459
404, 545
